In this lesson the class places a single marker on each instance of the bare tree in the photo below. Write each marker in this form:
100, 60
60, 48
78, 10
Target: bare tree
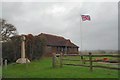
6, 30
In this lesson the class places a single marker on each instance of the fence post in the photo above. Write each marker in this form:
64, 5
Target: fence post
61, 64
90, 58
83, 59
53, 60
6, 63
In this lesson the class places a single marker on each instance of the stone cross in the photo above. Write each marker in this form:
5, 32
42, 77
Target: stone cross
23, 59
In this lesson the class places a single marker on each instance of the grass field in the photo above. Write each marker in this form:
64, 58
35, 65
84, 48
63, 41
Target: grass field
43, 69
0, 71
115, 65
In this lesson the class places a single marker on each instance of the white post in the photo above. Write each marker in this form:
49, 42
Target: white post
6, 63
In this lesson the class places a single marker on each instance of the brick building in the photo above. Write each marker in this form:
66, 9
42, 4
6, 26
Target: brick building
59, 44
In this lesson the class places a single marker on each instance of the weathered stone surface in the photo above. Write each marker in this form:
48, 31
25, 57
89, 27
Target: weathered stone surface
23, 60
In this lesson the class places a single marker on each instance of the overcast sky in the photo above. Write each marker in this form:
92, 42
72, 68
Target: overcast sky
63, 19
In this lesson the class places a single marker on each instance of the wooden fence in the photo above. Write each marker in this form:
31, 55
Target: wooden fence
90, 60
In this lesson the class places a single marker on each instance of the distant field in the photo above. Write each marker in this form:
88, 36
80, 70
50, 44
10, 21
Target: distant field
43, 69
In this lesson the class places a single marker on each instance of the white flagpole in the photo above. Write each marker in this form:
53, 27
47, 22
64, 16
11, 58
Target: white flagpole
81, 34
83, 18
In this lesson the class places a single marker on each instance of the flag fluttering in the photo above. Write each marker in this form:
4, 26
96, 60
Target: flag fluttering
85, 17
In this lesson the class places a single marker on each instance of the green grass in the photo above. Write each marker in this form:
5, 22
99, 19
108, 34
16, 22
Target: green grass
94, 63
0, 71
43, 69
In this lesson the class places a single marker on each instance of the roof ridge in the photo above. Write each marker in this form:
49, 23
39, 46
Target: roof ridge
57, 40
53, 35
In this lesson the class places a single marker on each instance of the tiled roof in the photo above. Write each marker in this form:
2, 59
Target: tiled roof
53, 40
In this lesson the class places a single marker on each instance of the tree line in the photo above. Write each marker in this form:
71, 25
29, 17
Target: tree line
34, 47
11, 43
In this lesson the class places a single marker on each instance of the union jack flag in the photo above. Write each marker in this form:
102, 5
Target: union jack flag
85, 17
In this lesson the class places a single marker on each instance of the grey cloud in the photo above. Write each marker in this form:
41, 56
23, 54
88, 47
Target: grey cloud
64, 19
